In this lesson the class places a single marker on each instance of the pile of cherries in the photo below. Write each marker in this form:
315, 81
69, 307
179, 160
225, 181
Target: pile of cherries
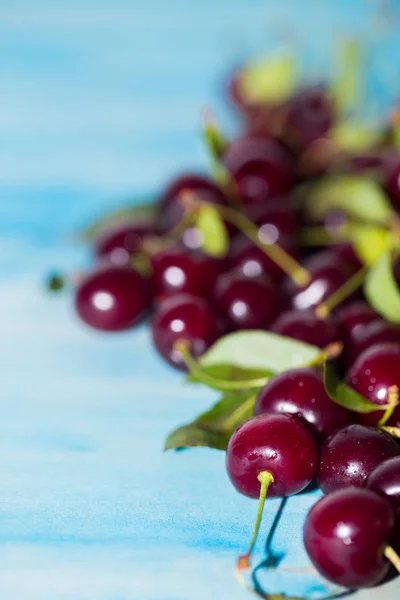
298, 435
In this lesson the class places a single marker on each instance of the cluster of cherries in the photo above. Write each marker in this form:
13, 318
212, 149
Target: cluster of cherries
271, 279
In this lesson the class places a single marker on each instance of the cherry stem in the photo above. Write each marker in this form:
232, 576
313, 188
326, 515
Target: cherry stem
393, 557
195, 369
265, 478
287, 263
393, 402
350, 286
393, 431
320, 236
331, 352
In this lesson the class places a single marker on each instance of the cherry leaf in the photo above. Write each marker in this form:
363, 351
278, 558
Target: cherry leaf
215, 240
359, 197
343, 394
142, 211
382, 290
355, 137
227, 372
270, 79
347, 85
260, 350
214, 428
370, 242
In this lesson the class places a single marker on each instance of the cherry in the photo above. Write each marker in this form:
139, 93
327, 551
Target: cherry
373, 333
175, 271
301, 392
112, 298
183, 317
346, 535
326, 278
260, 168
251, 261
276, 220
270, 453
349, 455
279, 444
392, 183
305, 326
375, 371
309, 116
385, 480
245, 303
120, 241
345, 255
352, 316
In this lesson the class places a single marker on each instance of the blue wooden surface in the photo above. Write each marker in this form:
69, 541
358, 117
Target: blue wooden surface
99, 100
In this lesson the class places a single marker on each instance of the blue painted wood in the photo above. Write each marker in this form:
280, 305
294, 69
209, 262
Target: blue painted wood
101, 100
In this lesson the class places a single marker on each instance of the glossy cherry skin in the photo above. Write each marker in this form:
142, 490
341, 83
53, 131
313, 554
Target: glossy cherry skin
309, 117
385, 480
245, 303
349, 455
305, 326
120, 241
301, 392
113, 298
260, 168
351, 317
279, 444
373, 333
345, 535
251, 261
375, 370
176, 271
183, 317
326, 278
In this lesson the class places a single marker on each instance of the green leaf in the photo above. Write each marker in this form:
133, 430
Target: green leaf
370, 242
214, 427
359, 197
145, 210
355, 137
344, 395
348, 83
215, 240
382, 290
260, 350
215, 141
230, 372
269, 79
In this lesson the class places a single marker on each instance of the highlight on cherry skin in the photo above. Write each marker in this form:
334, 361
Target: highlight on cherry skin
347, 537
270, 456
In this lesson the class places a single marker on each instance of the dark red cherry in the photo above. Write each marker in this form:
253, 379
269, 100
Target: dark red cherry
373, 333
326, 278
183, 317
349, 455
245, 303
112, 298
260, 168
385, 480
120, 241
373, 373
345, 535
279, 444
277, 220
251, 261
305, 326
345, 255
175, 271
352, 317
392, 183
309, 116
301, 392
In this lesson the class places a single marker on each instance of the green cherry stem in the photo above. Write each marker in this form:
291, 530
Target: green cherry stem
393, 431
195, 369
319, 236
265, 478
392, 557
331, 352
393, 402
350, 286
287, 263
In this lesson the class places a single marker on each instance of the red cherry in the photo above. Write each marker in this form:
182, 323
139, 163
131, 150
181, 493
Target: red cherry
373, 333
260, 168
345, 535
245, 303
385, 481
309, 116
183, 317
305, 326
112, 298
279, 444
375, 371
352, 317
393, 182
349, 455
301, 392
175, 271
120, 241
248, 259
